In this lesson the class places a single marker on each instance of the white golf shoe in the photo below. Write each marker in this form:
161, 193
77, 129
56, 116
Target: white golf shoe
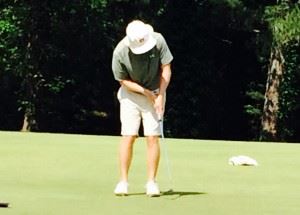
121, 189
152, 189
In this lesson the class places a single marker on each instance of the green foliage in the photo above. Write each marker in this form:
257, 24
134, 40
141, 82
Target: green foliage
98, 4
11, 63
284, 23
290, 94
282, 19
10, 32
214, 62
61, 51
229, 3
254, 107
251, 110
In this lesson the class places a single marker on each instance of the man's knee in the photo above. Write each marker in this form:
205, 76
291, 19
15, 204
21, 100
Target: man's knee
152, 140
128, 139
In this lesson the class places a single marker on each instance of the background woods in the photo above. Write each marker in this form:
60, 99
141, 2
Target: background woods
235, 70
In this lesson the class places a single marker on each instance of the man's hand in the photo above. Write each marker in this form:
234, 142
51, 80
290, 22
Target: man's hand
159, 105
158, 101
134, 87
150, 95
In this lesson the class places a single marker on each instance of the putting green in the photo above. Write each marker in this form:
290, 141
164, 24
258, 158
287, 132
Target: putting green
56, 174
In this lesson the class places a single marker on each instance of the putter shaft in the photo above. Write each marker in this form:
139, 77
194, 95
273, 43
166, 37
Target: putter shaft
164, 149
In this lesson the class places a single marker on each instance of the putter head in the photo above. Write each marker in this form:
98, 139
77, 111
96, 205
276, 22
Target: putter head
168, 192
4, 204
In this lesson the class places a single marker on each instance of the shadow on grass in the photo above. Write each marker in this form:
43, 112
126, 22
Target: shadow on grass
175, 194
136, 194
178, 194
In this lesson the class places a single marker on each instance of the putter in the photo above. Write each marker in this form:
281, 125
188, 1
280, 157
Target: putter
166, 157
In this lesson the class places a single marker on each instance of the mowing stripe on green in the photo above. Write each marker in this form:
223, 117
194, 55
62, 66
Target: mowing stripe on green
58, 174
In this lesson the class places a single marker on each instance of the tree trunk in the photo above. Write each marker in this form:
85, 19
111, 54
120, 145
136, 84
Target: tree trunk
26, 124
29, 123
271, 105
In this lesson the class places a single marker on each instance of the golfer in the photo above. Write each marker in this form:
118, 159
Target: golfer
142, 65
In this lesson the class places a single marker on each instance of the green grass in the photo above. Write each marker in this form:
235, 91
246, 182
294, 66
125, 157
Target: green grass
55, 174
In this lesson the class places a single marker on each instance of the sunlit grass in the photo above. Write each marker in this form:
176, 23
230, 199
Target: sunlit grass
56, 174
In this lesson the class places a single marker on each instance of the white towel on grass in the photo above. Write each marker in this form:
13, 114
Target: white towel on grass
242, 160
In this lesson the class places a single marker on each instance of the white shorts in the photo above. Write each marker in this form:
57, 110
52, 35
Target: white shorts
135, 107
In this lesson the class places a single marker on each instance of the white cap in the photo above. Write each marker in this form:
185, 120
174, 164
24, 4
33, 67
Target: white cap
139, 37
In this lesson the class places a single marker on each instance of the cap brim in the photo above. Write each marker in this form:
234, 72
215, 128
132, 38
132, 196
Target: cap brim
147, 46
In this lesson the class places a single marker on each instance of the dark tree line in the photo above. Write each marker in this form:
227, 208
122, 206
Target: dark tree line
55, 66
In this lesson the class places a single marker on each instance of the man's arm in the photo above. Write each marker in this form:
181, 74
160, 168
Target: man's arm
165, 78
164, 82
133, 86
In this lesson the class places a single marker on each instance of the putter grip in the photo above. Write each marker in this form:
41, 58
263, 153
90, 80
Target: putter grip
160, 117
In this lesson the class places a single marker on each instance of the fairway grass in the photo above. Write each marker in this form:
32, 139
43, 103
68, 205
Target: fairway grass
56, 174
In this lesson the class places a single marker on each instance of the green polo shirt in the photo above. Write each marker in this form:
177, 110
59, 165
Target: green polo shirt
143, 69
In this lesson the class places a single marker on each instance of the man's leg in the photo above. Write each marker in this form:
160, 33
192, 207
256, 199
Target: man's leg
125, 156
153, 155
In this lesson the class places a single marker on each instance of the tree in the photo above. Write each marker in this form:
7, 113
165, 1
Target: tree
284, 20
58, 57
215, 59
11, 61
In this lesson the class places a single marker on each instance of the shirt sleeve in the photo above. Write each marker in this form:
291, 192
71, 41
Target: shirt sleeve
118, 68
165, 54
